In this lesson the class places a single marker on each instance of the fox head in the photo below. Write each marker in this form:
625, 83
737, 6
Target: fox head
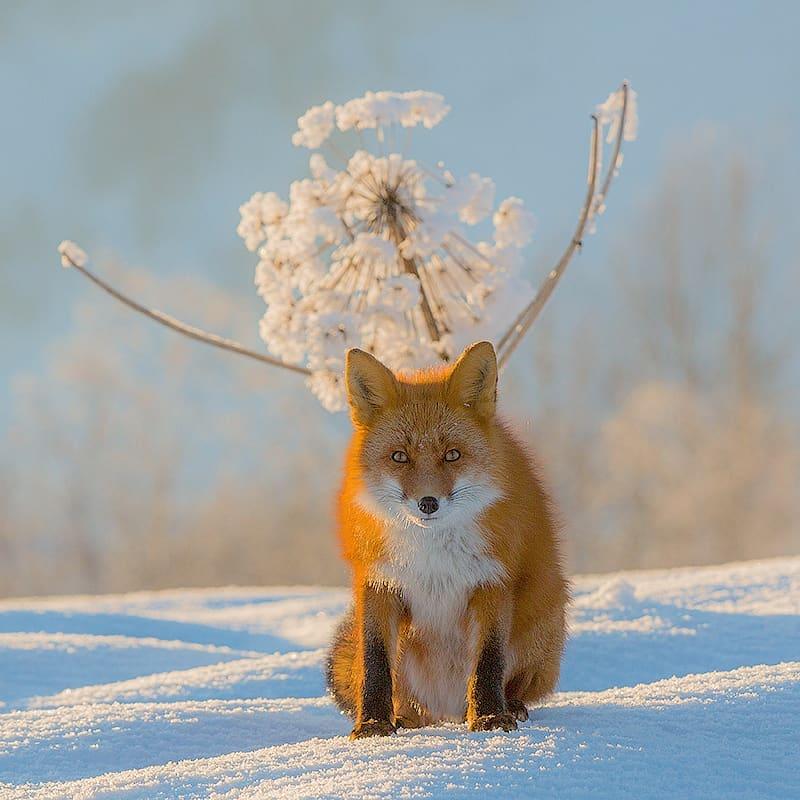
425, 439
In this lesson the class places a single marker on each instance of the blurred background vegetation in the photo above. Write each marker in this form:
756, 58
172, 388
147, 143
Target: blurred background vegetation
659, 389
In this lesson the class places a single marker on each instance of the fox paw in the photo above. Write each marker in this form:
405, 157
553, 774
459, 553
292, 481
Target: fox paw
493, 722
518, 710
372, 727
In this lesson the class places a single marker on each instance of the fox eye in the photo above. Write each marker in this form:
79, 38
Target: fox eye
452, 455
400, 457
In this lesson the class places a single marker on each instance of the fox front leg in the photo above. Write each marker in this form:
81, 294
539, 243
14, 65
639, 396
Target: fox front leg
486, 699
374, 707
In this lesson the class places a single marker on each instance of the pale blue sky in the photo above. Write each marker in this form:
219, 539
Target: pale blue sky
139, 128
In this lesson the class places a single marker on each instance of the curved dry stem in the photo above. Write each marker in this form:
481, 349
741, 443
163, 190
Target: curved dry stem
190, 331
512, 337
612, 165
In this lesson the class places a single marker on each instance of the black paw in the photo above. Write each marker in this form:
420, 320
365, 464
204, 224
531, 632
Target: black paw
518, 710
493, 722
372, 727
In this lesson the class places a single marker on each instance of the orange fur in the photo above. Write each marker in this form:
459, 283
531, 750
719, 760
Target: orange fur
518, 592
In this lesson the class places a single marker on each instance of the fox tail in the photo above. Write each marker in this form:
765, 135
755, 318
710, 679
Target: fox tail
339, 670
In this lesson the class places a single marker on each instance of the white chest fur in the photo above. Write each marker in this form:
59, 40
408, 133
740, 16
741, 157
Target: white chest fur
435, 570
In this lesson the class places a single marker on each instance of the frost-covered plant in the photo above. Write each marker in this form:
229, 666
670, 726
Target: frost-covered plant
375, 249
71, 254
378, 250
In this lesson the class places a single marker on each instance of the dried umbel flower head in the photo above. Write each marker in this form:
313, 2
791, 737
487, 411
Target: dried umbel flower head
375, 249
379, 251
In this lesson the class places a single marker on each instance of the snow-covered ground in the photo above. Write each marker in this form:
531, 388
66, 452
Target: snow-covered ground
681, 683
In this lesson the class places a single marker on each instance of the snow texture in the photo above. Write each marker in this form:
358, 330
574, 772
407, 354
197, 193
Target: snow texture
676, 683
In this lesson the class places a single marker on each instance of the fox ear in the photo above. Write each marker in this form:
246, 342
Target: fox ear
473, 381
370, 385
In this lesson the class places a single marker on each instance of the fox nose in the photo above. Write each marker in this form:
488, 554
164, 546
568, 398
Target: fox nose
428, 505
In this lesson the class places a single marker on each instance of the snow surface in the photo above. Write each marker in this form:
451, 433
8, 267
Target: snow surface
676, 683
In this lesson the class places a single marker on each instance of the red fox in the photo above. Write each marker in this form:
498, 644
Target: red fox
458, 593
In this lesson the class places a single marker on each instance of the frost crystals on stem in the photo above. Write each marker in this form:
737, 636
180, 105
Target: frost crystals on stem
379, 251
